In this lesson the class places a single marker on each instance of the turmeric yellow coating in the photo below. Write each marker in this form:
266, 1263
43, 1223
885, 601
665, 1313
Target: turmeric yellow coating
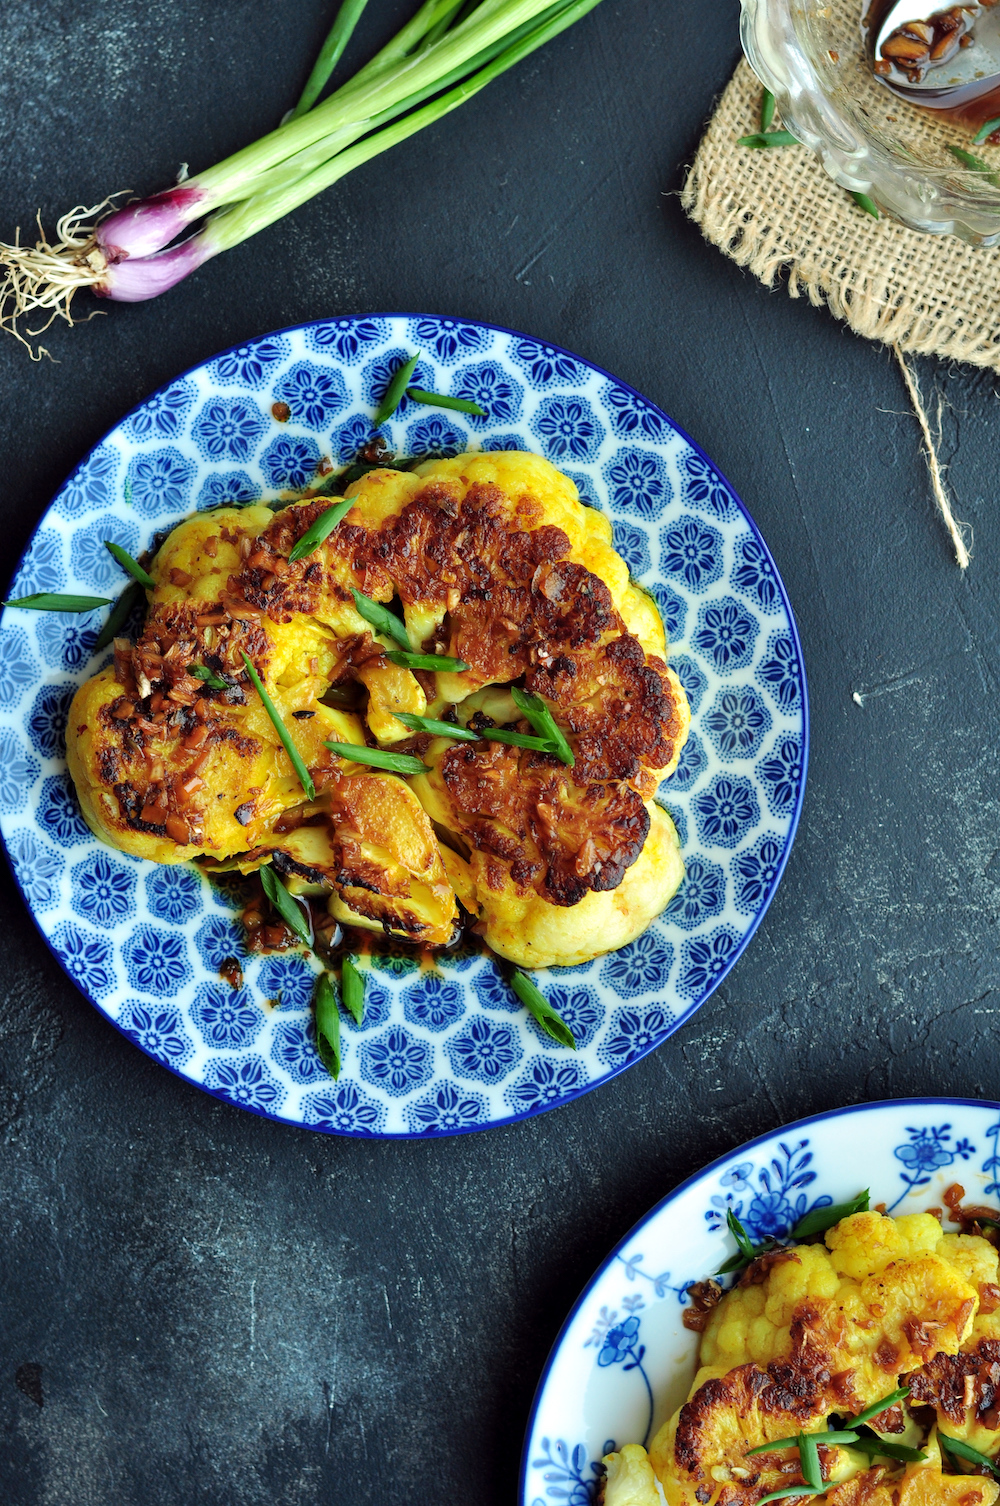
825, 1331
491, 560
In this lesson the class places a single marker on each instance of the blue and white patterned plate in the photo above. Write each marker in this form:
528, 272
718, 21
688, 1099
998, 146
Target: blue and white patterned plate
450, 1050
624, 1361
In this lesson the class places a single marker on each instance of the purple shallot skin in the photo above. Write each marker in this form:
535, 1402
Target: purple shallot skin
138, 278
146, 227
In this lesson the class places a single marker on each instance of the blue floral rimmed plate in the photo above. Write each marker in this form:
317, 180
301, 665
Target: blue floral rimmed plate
449, 1050
623, 1362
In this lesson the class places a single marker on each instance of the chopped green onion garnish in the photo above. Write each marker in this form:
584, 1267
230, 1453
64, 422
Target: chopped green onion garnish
766, 109
539, 1007
879, 1406
437, 662
762, 139
747, 1251
985, 130
213, 681
305, 778
379, 758
47, 601
789, 1490
830, 1438
324, 525
381, 619
438, 729
119, 614
973, 163
438, 400
821, 1219
965, 1451
542, 720
352, 985
740, 1235
867, 204
517, 739
327, 1024
809, 1461
286, 906
395, 391
132, 566
871, 1444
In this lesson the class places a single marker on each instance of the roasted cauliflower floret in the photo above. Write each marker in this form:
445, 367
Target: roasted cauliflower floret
630, 1480
490, 559
829, 1330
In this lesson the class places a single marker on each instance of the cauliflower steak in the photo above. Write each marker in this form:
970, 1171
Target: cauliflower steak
815, 1335
491, 561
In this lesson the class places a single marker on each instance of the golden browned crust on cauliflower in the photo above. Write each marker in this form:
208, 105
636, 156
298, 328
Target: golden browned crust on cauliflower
495, 562
827, 1330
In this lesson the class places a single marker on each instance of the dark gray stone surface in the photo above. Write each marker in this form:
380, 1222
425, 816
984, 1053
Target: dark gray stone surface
228, 1311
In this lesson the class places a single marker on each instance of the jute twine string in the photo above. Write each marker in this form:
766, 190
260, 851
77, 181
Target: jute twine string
956, 530
779, 214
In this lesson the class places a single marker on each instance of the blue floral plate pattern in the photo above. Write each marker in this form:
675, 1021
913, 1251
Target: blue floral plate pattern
624, 1361
449, 1050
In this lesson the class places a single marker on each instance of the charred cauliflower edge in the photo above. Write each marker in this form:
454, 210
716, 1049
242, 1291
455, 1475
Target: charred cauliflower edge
824, 1331
495, 563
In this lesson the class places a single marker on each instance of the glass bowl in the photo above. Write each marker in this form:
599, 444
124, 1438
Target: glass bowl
811, 55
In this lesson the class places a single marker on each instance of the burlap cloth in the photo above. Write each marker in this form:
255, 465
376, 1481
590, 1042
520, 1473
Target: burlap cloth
777, 211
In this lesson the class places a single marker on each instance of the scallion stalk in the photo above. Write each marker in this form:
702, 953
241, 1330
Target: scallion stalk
330, 54
440, 59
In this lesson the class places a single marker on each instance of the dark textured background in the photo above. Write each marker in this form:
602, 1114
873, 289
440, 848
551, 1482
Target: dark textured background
233, 1312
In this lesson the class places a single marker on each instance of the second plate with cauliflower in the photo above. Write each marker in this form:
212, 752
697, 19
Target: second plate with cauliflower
854, 1357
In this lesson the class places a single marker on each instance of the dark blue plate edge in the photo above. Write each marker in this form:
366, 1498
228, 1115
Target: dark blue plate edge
731, 961
794, 1125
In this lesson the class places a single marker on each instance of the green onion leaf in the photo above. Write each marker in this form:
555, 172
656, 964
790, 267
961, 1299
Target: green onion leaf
213, 681
871, 1444
440, 663
879, 1406
379, 758
305, 778
323, 526
539, 1007
47, 601
438, 400
740, 1235
352, 986
747, 1252
809, 1461
330, 53
766, 109
289, 910
964, 1451
438, 729
985, 130
542, 720
867, 204
517, 739
765, 1448
381, 619
789, 1490
119, 615
132, 566
327, 1024
765, 139
821, 1219
395, 391
973, 163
